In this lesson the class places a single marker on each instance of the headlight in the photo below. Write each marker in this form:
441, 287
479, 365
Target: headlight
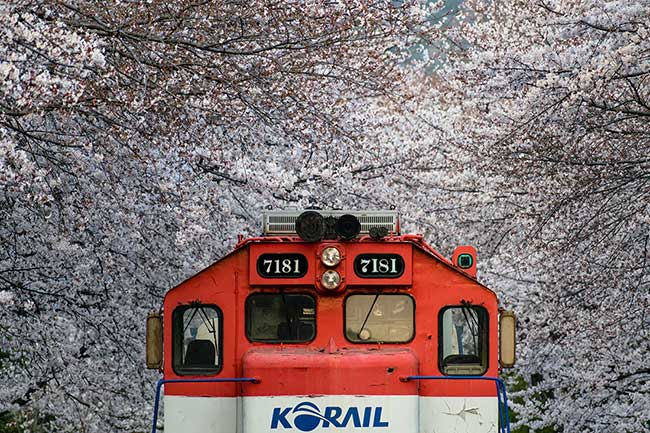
330, 256
330, 279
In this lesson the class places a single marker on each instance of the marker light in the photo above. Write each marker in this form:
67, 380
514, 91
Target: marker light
330, 256
330, 279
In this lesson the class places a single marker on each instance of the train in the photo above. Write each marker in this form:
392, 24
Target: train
331, 322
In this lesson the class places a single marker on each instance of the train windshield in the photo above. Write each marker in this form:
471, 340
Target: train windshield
196, 335
463, 340
379, 318
280, 317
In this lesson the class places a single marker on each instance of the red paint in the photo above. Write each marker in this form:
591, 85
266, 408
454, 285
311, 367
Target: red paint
346, 371
330, 364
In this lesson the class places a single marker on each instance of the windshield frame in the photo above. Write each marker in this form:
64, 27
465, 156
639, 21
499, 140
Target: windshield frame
177, 367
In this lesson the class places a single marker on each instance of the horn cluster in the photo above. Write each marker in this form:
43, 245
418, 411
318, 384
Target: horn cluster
312, 226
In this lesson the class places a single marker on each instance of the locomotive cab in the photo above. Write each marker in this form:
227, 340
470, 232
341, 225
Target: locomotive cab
332, 322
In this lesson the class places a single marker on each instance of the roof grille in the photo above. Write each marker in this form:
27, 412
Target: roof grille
283, 223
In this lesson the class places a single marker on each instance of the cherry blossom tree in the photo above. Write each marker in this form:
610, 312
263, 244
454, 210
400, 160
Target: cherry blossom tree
136, 141
530, 141
551, 99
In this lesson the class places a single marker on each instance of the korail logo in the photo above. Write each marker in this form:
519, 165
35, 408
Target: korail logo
306, 416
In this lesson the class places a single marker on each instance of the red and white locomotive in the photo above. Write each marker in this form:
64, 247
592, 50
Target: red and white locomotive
332, 322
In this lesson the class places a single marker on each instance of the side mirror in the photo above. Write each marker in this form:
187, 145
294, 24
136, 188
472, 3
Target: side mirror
507, 339
154, 340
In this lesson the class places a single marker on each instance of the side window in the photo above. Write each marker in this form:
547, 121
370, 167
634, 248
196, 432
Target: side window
280, 317
463, 342
379, 318
196, 339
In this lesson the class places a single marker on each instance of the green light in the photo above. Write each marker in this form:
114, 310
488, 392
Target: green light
465, 261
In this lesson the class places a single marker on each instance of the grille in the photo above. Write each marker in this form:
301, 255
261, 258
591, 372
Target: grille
280, 223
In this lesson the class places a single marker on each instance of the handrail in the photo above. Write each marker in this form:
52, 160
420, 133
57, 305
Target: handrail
161, 382
504, 426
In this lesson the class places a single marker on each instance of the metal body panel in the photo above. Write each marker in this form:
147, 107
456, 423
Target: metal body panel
184, 414
458, 415
300, 371
331, 413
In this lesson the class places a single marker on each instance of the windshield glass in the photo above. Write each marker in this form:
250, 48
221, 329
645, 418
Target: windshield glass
463, 335
387, 318
196, 338
280, 317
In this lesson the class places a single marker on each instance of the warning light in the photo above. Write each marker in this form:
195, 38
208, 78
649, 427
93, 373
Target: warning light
465, 261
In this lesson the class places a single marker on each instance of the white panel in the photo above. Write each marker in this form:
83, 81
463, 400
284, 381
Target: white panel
362, 414
332, 413
459, 415
201, 414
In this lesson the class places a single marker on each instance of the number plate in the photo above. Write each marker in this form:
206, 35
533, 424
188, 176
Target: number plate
379, 265
289, 265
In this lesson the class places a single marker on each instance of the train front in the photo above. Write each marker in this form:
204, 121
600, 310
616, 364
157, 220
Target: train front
332, 322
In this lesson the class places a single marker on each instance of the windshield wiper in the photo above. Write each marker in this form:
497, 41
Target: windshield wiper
473, 325
287, 315
209, 324
189, 322
363, 325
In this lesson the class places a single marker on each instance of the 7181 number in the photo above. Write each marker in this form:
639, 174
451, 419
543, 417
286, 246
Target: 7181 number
281, 266
379, 266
